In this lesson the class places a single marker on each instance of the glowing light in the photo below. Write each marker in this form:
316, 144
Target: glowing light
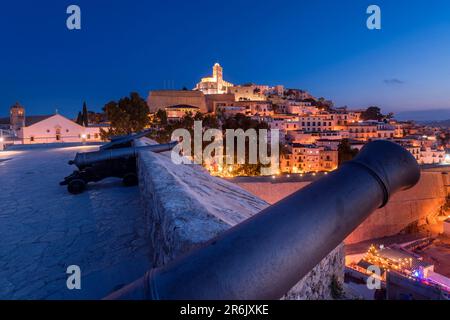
447, 158
2, 139
83, 136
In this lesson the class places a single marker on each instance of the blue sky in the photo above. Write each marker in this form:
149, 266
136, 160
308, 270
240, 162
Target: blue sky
322, 46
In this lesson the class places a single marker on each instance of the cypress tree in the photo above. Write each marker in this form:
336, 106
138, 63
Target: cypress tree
80, 118
85, 119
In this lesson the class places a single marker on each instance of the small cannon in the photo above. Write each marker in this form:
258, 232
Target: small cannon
115, 159
265, 256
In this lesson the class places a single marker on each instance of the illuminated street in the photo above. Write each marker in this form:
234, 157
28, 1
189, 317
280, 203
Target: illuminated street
45, 229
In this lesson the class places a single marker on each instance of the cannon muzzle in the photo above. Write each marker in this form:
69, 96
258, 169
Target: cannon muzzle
88, 158
265, 256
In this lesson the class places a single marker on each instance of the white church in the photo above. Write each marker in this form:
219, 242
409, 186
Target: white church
49, 129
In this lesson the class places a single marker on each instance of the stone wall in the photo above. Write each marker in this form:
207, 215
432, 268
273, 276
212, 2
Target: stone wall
166, 98
185, 207
404, 208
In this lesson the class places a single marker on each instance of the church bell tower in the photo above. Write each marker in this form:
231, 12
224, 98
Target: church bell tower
17, 117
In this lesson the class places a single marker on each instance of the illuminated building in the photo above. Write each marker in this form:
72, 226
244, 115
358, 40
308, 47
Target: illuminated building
363, 131
17, 117
57, 129
309, 158
215, 83
394, 259
318, 122
431, 156
247, 93
256, 108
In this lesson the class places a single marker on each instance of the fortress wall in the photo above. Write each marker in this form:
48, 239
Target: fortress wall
405, 207
272, 192
166, 98
185, 207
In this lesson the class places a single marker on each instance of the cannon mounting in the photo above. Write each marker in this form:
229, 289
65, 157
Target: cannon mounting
115, 159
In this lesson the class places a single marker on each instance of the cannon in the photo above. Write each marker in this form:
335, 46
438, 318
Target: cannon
124, 141
265, 256
115, 159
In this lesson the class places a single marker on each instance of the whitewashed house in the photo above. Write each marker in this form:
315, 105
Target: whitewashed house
57, 129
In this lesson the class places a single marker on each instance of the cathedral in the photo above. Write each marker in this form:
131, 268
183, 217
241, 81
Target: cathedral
214, 84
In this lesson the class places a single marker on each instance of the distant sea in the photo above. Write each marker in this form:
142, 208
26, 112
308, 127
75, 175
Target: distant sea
435, 115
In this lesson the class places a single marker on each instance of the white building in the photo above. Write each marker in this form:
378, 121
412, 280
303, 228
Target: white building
431, 156
57, 129
300, 108
318, 122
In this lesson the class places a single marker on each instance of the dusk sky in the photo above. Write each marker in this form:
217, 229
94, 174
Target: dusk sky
320, 46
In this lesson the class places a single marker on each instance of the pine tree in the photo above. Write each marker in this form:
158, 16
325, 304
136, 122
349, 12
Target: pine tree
80, 118
85, 119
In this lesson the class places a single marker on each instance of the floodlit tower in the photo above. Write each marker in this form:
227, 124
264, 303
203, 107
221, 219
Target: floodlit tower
218, 72
17, 117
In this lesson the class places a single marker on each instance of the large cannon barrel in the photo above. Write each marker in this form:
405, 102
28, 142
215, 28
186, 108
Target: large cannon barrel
265, 256
88, 158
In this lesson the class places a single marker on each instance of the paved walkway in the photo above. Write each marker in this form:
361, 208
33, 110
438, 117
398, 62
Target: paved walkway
44, 229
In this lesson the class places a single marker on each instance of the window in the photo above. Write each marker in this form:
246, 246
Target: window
31, 139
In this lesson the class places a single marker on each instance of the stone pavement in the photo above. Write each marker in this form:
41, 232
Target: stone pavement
44, 229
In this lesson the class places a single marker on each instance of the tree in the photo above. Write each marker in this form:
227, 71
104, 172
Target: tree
85, 117
79, 118
389, 116
210, 121
345, 151
160, 118
444, 139
372, 113
324, 104
128, 115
